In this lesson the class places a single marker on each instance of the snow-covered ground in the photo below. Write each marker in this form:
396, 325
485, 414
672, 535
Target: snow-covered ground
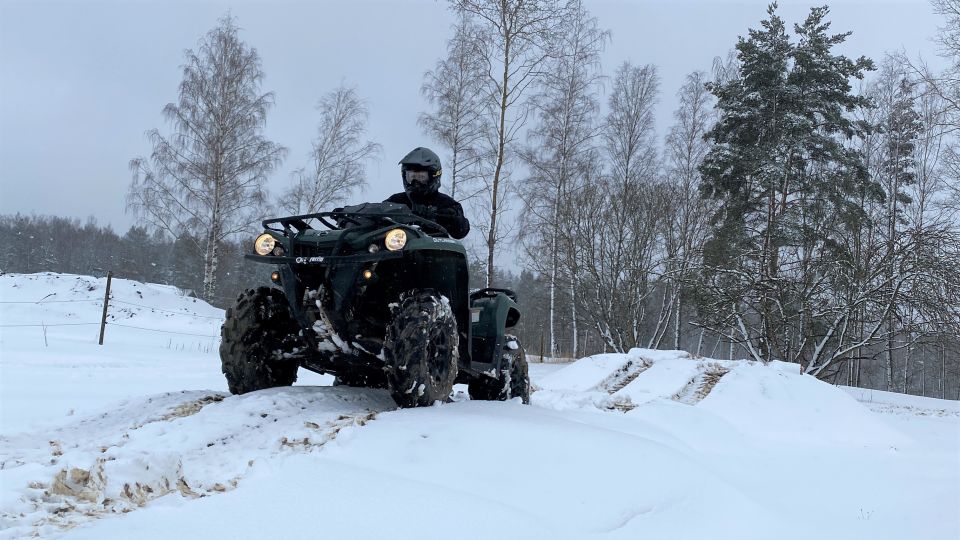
139, 438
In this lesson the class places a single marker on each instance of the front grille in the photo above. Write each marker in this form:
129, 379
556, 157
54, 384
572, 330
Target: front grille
309, 250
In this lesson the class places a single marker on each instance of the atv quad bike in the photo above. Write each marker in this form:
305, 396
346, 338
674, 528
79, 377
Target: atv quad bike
378, 298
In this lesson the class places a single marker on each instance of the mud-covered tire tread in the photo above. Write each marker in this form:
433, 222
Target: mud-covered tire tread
514, 378
419, 319
258, 325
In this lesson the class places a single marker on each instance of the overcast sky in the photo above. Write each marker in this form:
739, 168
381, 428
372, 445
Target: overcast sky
80, 81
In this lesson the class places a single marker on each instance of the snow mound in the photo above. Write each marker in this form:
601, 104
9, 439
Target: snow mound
599, 372
663, 380
773, 401
188, 444
789, 407
585, 374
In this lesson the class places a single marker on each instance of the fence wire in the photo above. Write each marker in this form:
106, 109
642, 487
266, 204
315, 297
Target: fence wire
47, 301
54, 324
165, 310
108, 322
161, 331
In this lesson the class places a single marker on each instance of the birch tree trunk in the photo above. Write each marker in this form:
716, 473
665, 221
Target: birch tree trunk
513, 40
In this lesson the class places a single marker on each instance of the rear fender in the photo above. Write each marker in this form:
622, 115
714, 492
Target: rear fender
491, 316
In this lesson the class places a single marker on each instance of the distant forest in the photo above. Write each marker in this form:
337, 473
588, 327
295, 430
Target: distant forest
802, 206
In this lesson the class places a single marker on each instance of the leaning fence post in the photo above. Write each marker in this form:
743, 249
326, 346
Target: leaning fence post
106, 301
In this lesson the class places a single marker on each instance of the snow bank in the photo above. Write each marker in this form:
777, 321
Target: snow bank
68, 307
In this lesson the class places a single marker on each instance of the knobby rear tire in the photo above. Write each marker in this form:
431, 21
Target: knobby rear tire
514, 376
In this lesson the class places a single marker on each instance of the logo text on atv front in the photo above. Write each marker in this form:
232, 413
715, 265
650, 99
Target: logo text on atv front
309, 260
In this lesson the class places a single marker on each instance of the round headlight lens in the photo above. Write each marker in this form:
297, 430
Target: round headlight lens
396, 239
264, 244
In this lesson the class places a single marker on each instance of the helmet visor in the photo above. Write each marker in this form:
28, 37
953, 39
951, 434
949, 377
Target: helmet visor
416, 177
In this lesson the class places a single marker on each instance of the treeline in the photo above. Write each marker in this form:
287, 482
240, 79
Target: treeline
55, 244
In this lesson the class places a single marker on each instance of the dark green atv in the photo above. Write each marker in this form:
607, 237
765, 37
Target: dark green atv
379, 298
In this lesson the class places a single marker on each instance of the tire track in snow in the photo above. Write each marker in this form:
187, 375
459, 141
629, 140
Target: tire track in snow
700, 386
195, 447
625, 375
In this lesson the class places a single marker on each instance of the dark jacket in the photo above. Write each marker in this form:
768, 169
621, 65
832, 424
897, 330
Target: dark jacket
442, 209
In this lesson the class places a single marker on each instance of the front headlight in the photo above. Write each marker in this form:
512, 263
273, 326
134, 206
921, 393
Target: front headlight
396, 239
264, 244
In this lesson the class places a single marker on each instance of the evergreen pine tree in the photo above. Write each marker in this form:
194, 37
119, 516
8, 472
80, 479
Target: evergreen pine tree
784, 176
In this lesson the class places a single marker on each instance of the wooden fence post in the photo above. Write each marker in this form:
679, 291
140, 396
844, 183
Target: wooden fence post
106, 301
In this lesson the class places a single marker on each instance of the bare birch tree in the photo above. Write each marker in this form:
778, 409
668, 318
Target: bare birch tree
513, 40
629, 129
619, 230
687, 226
901, 127
339, 157
206, 180
559, 149
946, 86
933, 310
455, 89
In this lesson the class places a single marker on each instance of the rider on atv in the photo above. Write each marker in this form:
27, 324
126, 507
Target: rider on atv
420, 170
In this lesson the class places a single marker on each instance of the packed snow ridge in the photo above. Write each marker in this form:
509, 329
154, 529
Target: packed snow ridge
139, 438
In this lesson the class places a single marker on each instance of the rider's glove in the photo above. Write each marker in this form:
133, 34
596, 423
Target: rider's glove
425, 211
447, 213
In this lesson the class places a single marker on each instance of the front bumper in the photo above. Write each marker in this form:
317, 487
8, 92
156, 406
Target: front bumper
326, 259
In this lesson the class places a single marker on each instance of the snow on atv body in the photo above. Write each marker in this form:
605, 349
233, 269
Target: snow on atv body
378, 298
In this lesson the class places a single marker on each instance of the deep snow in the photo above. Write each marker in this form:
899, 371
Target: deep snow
138, 438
